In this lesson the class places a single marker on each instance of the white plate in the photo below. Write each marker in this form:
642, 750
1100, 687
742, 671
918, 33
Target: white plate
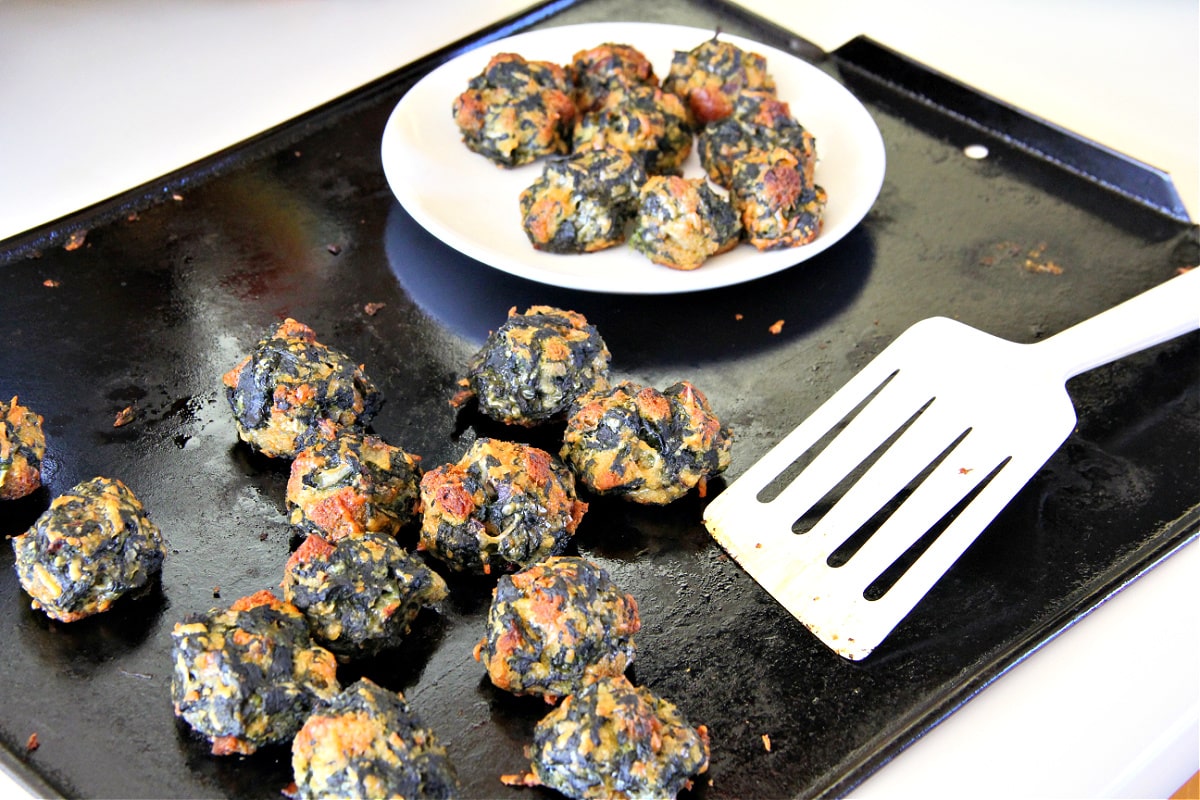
471, 204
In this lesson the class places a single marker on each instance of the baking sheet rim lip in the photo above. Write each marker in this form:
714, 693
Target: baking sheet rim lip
869, 162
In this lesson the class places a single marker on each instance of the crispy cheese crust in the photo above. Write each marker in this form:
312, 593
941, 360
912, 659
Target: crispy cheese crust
92, 546
516, 111
709, 76
503, 506
291, 390
557, 626
367, 742
614, 740
22, 448
644, 445
778, 205
644, 121
359, 595
351, 485
760, 121
607, 69
536, 365
582, 203
681, 222
249, 675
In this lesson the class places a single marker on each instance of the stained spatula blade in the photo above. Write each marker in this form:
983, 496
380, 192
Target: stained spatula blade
905, 465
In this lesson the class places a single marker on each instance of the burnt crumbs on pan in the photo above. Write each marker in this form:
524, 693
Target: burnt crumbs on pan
716, 96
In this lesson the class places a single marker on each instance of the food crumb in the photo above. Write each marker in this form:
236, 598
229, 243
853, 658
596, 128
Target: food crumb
32, 743
739, 317
124, 416
132, 217
766, 740
776, 328
75, 240
50, 283
334, 248
177, 197
216, 591
371, 309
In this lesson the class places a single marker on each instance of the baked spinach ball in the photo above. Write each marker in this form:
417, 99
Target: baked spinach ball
535, 366
22, 448
367, 742
779, 206
710, 75
249, 675
351, 485
759, 121
582, 203
292, 390
644, 121
644, 445
360, 595
556, 626
681, 222
516, 111
614, 740
502, 506
606, 70
92, 546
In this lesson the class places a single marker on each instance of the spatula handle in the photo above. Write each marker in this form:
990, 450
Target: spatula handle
1168, 310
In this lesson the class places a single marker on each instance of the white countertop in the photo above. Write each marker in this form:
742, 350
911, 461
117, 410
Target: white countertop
100, 97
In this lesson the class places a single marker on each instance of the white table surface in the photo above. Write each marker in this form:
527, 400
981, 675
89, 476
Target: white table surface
98, 97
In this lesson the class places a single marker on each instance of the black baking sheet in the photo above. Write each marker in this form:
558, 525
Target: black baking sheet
166, 294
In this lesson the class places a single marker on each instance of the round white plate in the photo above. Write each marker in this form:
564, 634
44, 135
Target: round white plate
471, 204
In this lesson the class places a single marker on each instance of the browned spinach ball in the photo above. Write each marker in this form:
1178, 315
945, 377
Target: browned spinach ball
614, 740
22, 448
760, 121
681, 222
645, 445
249, 675
92, 546
502, 506
360, 595
291, 390
557, 626
710, 75
516, 111
582, 203
778, 205
368, 742
605, 70
644, 121
351, 485
535, 366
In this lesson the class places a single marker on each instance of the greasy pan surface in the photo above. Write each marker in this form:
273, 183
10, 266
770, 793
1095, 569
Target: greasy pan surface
151, 310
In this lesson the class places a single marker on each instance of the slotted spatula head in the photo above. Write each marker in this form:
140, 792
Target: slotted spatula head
853, 517
959, 415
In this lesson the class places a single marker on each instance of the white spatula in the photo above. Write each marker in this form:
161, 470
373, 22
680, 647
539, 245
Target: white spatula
932, 439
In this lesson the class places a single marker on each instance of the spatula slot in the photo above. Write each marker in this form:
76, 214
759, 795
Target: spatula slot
811, 516
777, 484
888, 578
846, 550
